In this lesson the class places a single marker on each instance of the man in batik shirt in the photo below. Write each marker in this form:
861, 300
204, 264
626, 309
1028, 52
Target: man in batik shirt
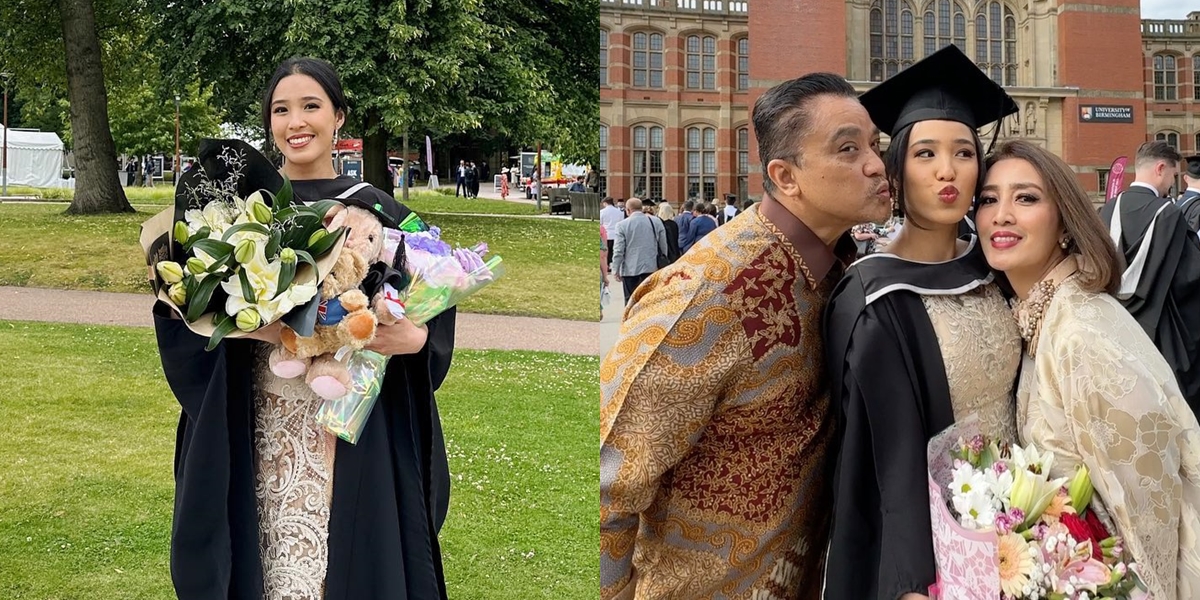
715, 419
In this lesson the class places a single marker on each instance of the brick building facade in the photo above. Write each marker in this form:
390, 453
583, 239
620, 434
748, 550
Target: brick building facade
679, 77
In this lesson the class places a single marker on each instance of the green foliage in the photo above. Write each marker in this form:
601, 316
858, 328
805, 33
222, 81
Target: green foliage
441, 67
87, 436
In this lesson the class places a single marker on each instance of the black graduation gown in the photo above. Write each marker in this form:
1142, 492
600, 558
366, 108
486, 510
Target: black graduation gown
1189, 204
672, 230
887, 377
390, 492
1167, 300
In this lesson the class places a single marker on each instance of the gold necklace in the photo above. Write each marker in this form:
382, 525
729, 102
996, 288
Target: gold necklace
1030, 311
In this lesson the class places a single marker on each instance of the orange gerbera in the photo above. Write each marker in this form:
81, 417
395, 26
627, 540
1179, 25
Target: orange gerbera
1015, 564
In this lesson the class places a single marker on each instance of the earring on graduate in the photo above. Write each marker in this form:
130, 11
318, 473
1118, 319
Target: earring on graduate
1063, 243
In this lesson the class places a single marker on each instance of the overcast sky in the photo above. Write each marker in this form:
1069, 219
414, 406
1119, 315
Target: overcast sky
1168, 9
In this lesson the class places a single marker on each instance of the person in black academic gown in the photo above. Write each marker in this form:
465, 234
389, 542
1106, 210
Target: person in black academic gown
1188, 204
390, 492
1162, 290
898, 323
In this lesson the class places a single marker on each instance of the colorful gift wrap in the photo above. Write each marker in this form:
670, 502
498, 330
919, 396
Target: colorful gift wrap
345, 417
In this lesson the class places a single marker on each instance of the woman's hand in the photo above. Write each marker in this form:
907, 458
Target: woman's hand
269, 334
401, 338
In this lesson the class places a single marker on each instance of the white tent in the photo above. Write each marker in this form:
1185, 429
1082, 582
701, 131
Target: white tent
35, 158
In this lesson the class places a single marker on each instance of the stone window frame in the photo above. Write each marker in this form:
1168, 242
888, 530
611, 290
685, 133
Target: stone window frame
996, 33
700, 160
645, 154
700, 60
741, 57
604, 40
648, 53
891, 30
1165, 76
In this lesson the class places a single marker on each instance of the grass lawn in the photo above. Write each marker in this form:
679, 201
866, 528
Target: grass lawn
551, 263
87, 435
421, 201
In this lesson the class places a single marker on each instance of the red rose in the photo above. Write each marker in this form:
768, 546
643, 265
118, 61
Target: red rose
1082, 531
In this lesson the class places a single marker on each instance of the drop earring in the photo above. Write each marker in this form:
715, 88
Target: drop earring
1063, 243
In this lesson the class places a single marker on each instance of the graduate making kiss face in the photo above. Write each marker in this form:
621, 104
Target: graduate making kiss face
940, 172
935, 158
1032, 214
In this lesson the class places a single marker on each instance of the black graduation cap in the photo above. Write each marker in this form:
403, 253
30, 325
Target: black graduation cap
1193, 166
945, 85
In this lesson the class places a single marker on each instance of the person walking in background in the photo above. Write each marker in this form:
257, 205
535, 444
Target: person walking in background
730, 210
592, 181
703, 223
1161, 286
667, 213
639, 241
684, 221
472, 180
460, 179
148, 172
610, 216
504, 184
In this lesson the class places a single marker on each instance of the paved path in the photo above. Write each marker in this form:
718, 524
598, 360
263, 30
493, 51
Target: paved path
474, 331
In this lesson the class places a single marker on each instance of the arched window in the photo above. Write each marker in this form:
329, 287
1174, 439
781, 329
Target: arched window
647, 161
702, 162
602, 168
743, 63
945, 23
647, 60
701, 62
891, 38
1170, 137
743, 162
996, 42
1166, 77
603, 57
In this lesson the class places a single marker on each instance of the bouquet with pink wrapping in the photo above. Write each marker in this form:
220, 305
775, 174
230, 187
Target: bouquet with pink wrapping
1003, 528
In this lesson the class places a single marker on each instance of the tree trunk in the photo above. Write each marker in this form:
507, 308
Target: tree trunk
407, 167
97, 189
375, 160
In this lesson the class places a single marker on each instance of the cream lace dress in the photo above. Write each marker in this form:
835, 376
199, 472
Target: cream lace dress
1095, 390
293, 485
981, 350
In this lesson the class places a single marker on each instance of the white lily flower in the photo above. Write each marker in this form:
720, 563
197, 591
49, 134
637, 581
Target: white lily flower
263, 276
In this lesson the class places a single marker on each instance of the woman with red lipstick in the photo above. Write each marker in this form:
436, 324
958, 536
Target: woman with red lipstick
1094, 389
268, 504
918, 336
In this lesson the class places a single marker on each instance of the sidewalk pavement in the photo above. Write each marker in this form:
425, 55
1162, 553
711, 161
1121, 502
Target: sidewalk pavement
473, 331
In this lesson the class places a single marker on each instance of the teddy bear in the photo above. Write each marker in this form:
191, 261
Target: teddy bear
314, 357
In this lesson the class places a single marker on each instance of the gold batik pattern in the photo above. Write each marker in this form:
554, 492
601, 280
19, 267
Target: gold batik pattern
714, 426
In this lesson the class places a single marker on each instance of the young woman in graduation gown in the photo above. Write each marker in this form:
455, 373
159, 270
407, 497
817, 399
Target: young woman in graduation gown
267, 503
918, 336
1094, 389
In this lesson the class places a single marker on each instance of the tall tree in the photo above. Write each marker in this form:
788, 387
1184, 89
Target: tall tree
97, 188
421, 66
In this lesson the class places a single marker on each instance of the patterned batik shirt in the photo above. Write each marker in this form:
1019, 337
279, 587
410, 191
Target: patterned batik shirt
715, 420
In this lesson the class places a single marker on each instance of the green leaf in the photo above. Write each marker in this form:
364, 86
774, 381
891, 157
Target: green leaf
274, 244
198, 304
255, 227
326, 243
284, 198
225, 325
200, 234
323, 207
214, 248
304, 257
287, 273
247, 290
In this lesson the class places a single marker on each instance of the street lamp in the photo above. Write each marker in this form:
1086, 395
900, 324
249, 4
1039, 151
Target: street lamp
175, 168
4, 153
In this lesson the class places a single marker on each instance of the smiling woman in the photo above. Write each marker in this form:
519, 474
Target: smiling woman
256, 468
